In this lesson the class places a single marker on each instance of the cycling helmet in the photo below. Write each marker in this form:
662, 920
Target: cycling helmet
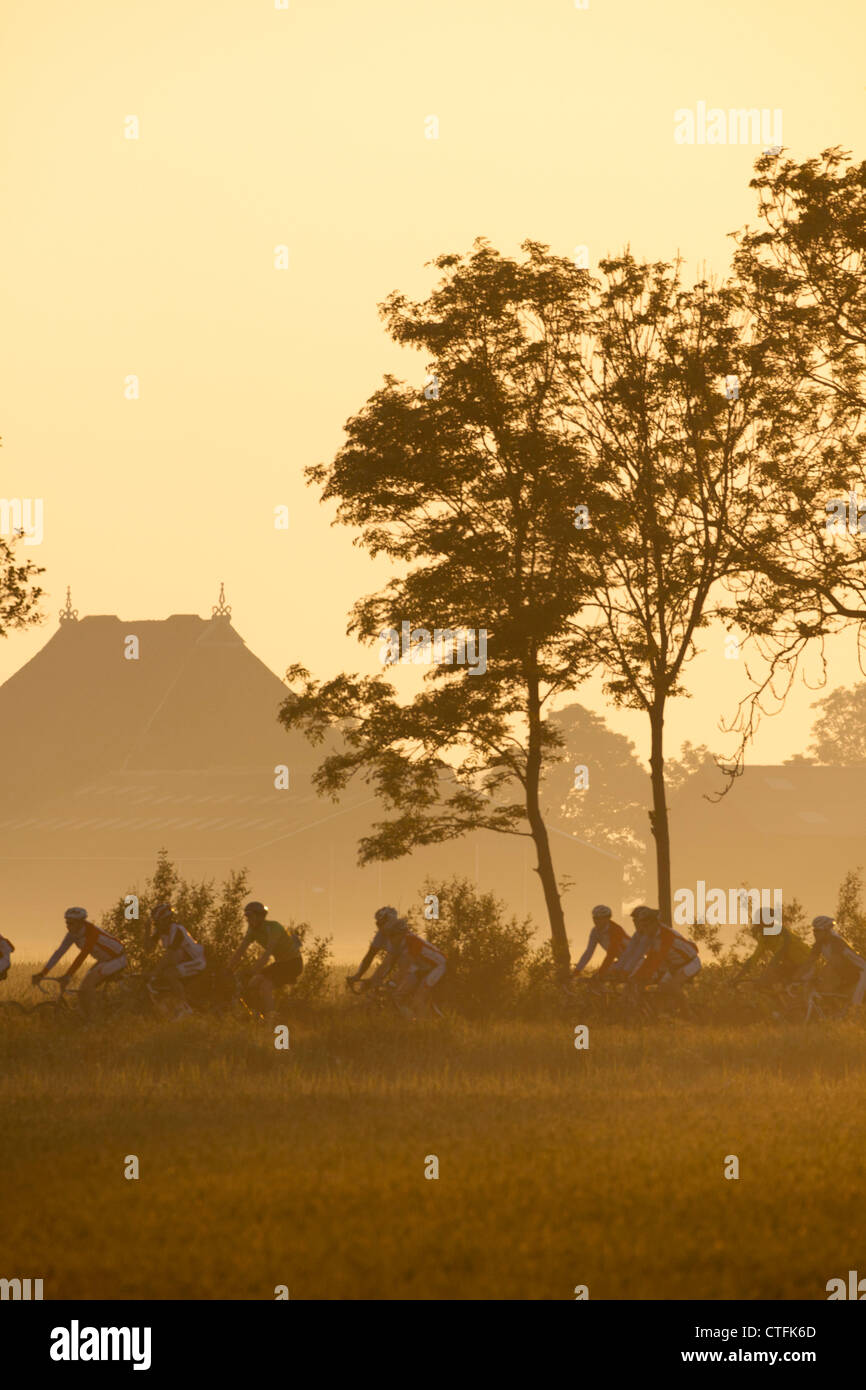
602, 911
820, 924
384, 915
255, 910
642, 914
161, 913
76, 914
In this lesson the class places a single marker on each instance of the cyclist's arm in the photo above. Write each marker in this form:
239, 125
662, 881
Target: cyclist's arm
384, 968
647, 967
76, 964
632, 958
58, 955
588, 953
750, 962
365, 963
814, 956
240, 952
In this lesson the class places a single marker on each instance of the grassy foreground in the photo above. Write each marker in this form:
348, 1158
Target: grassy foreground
557, 1167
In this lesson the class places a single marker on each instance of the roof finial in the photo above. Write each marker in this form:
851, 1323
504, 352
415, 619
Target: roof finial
221, 608
68, 614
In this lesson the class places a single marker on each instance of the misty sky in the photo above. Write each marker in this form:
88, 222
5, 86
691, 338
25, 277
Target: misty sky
261, 127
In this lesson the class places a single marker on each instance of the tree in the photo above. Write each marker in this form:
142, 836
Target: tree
805, 267
469, 486
667, 409
19, 593
606, 807
839, 734
802, 272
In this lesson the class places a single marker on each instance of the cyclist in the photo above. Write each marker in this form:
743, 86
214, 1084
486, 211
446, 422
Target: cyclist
635, 949
845, 969
6, 949
108, 954
418, 967
784, 955
383, 940
608, 934
668, 958
276, 941
182, 956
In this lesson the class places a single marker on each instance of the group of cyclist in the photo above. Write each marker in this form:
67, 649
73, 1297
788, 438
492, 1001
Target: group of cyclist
654, 955
409, 963
181, 961
659, 955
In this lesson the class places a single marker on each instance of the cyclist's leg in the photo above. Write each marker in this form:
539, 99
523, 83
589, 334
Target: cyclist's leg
426, 985
405, 986
96, 975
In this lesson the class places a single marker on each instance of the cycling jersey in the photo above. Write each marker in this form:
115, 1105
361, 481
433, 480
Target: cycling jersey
418, 957
191, 957
278, 942
419, 951
177, 938
612, 938
385, 941
835, 949
786, 949
91, 941
667, 949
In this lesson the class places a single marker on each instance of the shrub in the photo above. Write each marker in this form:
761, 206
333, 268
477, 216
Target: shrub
488, 952
214, 916
316, 980
850, 913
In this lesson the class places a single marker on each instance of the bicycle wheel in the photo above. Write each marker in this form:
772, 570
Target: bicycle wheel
47, 1011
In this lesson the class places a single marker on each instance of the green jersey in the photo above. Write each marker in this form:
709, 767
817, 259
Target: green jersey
281, 944
784, 948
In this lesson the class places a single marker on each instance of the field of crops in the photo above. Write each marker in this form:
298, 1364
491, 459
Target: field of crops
305, 1167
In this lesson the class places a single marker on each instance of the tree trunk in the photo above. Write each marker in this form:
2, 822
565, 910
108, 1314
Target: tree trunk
659, 814
544, 868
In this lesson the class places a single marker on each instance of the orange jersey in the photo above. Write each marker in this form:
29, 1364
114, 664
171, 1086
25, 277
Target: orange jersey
668, 949
91, 941
613, 940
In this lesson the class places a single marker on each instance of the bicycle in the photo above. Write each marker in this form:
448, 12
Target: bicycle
820, 1009
386, 998
118, 994
63, 1004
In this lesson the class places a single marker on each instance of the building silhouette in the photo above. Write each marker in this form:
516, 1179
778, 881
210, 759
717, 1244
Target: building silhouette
110, 759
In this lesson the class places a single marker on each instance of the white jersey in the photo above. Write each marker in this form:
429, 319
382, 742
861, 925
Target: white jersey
177, 938
92, 941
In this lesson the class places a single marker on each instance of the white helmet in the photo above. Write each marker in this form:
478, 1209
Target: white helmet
76, 914
602, 911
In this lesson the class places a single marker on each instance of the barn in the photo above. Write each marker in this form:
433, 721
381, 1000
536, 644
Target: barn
116, 748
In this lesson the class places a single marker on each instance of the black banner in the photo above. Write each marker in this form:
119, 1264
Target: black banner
60, 1339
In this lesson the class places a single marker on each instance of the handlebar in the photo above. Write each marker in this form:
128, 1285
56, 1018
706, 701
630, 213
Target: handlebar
55, 980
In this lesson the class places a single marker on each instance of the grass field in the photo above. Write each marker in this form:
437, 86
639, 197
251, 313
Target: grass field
557, 1167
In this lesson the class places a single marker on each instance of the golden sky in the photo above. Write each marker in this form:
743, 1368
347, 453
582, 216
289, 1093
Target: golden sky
306, 127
